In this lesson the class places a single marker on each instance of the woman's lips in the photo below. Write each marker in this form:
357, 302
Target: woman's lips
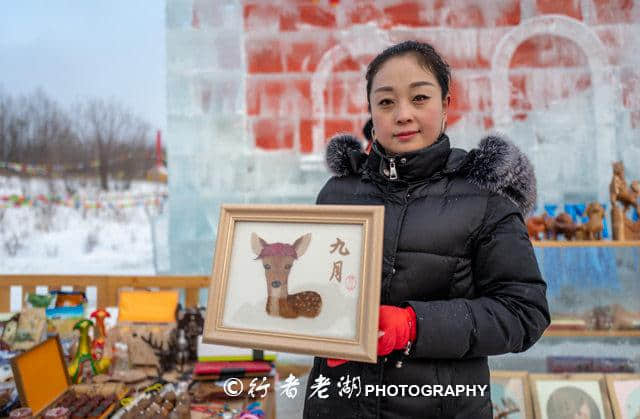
406, 135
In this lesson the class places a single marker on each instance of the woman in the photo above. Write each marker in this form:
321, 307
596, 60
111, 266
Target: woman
460, 280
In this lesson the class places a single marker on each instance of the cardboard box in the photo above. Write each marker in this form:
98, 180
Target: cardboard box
42, 380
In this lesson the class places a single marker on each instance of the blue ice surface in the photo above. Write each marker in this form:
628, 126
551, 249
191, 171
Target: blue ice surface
587, 268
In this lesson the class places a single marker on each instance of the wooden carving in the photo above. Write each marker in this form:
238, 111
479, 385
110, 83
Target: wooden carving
622, 197
563, 224
592, 229
539, 225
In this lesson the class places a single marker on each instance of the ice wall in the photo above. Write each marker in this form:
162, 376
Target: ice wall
255, 88
212, 157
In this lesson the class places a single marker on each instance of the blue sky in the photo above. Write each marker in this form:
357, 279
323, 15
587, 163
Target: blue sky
80, 49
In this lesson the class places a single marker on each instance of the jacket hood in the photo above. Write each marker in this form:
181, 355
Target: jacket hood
496, 165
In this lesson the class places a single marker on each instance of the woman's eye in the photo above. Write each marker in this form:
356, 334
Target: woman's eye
420, 98
385, 102
267, 266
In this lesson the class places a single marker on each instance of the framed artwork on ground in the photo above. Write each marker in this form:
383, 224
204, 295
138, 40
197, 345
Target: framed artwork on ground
511, 395
297, 278
570, 396
624, 392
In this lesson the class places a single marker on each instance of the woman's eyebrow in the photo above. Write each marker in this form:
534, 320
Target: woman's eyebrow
421, 83
412, 85
384, 89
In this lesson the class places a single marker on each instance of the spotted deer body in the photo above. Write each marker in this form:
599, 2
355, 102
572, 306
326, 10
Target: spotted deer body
277, 260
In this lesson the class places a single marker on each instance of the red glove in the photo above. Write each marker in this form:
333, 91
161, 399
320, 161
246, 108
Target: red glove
331, 362
396, 327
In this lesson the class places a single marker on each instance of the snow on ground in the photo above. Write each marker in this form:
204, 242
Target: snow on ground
59, 239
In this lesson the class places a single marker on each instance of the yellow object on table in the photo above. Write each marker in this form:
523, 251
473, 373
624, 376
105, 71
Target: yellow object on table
147, 306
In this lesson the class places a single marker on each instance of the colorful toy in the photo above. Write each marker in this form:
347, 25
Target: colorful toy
82, 367
99, 341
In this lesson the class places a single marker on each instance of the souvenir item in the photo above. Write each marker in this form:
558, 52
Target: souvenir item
592, 229
318, 271
8, 333
61, 320
43, 383
141, 339
182, 355
624, 392
120, 361
539, 227
82, 367
563, 364
623, 197
38, 300
57, 413
192, 322
22, 412
32, 328
563, 224
147, 306
570, 395
101, 359
165, 353
69, 298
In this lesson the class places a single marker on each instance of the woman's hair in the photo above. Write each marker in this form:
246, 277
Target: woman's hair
366, 130
427, 56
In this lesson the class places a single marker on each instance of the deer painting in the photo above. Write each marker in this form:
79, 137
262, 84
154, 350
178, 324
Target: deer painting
277, 260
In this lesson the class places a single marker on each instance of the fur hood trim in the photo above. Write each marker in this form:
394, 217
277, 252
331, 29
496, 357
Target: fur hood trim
496, 165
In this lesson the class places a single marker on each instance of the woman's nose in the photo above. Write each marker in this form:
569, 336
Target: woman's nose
403, 114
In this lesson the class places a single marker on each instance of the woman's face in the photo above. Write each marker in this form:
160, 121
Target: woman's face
407, 107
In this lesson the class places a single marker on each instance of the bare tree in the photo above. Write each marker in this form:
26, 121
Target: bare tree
50, 130
34, 129
110, 130
13, 128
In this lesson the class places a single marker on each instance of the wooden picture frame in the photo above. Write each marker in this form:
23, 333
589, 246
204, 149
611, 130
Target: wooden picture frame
624, 394
581, 392
327, 306
510, 390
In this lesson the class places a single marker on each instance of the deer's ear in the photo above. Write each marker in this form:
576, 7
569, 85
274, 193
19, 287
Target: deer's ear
301, 244
257, 244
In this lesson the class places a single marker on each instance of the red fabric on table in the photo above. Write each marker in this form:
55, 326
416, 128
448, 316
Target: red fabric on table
231, 367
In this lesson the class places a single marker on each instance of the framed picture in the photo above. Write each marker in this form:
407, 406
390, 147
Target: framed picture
511, 395
570, 395
624, 392
297, 278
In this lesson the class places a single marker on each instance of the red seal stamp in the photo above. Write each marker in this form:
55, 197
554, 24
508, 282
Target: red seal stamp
350, 282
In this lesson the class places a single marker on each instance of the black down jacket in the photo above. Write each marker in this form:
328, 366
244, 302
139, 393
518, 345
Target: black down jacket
456, 249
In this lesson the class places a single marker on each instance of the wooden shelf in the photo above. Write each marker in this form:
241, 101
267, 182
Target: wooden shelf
593, 333
589, 243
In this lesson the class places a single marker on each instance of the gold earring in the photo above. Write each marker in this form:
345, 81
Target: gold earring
373, 134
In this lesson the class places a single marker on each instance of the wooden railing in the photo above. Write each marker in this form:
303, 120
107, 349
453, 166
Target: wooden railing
104, 287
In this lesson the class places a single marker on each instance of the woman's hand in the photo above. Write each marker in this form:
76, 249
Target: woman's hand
396, 327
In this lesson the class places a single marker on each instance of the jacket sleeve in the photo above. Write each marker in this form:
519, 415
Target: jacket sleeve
509, 312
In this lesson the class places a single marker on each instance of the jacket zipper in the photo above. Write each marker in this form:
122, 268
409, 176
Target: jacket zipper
393, 175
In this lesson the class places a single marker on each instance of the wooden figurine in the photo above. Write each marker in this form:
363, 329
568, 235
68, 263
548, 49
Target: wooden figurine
592, 229
624, 319
563, 224
192, 322
627, 196
539, 225
82, 367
